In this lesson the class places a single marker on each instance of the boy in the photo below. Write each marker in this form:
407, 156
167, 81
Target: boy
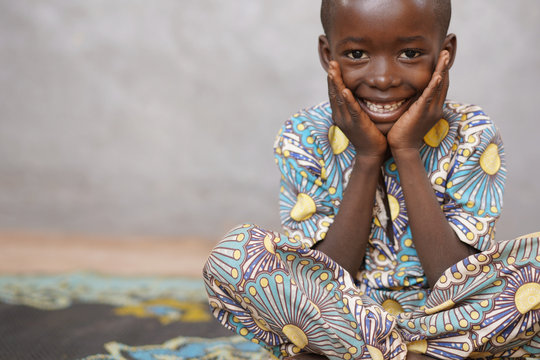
384, 192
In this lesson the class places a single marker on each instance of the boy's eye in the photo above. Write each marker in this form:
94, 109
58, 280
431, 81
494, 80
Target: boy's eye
356, 54
410, 54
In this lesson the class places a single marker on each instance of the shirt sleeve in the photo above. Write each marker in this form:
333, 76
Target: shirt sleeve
475, 184
306, 206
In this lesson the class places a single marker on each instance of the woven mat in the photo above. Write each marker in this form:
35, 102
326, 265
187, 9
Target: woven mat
85, 316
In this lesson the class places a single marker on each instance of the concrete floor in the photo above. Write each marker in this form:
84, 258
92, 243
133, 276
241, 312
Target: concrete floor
36, 253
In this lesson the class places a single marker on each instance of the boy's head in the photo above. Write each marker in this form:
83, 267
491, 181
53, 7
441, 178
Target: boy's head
387, 50
442, 10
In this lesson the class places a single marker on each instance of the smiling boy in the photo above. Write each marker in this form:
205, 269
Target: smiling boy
389, 198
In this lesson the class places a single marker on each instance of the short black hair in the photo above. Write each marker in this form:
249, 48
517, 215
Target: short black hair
442, 9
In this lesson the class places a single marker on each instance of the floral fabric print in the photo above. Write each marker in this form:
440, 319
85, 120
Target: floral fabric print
275, 290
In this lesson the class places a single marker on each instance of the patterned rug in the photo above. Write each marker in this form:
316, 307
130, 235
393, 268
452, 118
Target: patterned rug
85, 316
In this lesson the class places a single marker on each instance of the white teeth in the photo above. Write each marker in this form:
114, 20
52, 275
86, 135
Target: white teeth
382, 108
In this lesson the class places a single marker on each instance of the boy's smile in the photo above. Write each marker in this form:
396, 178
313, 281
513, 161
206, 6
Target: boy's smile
387, 51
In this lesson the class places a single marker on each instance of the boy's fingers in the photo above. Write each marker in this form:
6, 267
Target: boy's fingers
445, 83
353, 108
435, 92
336, 100
430, 90
442, 62
336, 76
439, 94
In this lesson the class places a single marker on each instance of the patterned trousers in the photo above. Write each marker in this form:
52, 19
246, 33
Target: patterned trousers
289, 298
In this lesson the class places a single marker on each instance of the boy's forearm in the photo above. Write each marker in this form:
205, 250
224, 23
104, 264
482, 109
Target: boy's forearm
435, 241
348, 236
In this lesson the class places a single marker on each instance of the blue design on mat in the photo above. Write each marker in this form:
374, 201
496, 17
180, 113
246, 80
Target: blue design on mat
186, 348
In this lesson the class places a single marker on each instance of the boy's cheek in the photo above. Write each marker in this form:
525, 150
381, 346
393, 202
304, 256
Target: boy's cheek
422, 78
352, 78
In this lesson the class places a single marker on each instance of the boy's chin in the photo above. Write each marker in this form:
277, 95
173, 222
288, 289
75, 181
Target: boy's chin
385, 128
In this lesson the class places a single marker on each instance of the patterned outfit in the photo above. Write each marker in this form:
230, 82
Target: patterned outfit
275, 290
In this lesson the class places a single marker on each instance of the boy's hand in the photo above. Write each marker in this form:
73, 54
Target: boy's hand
351, 119
409, 131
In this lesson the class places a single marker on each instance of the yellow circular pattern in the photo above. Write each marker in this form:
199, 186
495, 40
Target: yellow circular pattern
330, 286
261, 323
527, 297
323, 276
268, 244
304, 208
394, 207
296, 335
438, 132
419, 346
338, 140
392, 306
375, 353
490, 161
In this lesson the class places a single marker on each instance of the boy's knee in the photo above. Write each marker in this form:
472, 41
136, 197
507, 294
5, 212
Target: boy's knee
227, 258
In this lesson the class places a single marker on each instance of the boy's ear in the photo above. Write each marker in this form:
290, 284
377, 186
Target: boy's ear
450, 45
324, 52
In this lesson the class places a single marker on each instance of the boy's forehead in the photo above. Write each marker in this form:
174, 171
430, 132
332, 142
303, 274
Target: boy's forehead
434, 11
368, 7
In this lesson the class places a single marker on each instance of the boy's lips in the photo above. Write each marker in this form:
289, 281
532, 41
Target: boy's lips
384, 112
385, 107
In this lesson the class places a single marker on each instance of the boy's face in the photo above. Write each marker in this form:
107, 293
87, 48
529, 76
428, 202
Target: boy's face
387, 51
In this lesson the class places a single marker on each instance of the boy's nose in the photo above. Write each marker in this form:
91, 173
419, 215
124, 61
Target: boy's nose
381, 76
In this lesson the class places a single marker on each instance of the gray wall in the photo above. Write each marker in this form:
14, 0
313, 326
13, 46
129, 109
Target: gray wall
158, 117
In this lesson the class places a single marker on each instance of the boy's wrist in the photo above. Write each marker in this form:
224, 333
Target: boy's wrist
369, 162
405, 153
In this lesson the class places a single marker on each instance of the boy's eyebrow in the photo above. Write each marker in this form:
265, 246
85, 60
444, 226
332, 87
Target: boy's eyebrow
354, 39
406, 39
401, 39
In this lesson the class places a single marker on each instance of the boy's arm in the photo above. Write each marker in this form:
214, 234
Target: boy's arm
347, 238
436, 243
